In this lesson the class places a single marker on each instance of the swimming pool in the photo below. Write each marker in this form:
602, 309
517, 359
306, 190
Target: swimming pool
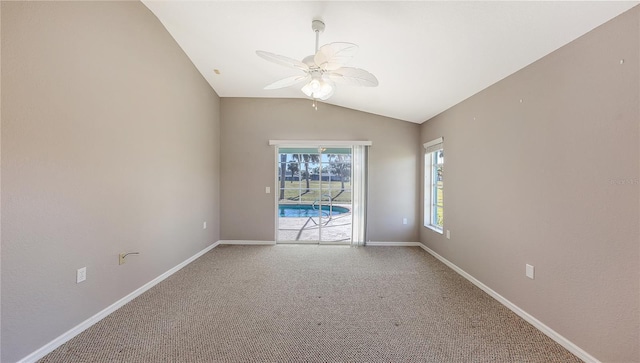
308, 210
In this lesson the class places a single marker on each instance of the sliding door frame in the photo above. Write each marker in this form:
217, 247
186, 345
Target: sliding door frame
357, 213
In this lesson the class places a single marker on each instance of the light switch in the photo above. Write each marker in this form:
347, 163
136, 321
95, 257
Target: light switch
529, 271
81, 275
267, 190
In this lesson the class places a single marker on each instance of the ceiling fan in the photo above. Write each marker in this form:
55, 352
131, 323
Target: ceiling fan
322, 70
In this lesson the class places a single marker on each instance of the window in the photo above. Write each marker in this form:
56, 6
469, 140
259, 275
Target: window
433, 185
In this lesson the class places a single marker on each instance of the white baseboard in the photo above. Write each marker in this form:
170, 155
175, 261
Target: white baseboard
246, 242
52, 345
249, 242
566, 343
394, 244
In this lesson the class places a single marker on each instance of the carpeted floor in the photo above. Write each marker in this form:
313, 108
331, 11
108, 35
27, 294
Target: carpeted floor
302, 303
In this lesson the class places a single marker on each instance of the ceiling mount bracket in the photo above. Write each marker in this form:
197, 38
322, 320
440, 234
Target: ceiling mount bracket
317, 25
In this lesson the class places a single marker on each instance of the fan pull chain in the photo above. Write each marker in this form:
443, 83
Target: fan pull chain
314, 104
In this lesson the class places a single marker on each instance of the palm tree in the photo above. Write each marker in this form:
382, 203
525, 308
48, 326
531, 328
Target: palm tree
283, 173
340, 165
293, 168
306, 159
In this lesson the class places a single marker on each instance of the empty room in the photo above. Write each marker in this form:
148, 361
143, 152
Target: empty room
264, 181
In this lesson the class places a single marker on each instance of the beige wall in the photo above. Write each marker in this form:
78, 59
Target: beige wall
248, 163
552, 181
110, 143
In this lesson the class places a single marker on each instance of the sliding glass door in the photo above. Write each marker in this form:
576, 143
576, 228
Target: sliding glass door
314, 195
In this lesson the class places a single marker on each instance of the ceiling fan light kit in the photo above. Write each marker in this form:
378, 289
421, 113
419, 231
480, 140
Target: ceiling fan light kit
323, 69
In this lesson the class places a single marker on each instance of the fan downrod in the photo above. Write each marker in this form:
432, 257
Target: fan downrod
318, 27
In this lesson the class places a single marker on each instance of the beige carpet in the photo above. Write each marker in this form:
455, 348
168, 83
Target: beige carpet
301, 303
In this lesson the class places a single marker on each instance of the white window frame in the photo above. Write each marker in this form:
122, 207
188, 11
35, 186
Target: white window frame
430, 170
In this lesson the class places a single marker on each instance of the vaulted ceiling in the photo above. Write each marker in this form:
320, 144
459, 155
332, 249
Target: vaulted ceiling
427, 55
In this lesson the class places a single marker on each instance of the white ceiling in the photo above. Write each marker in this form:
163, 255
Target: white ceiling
427, 55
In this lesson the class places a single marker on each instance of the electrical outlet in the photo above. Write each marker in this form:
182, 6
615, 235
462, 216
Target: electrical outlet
81, 275
448, 234
267, 190
529, 271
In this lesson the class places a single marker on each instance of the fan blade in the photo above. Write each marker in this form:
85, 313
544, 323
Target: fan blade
334, 55
282, 60
353, 76
289, 81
